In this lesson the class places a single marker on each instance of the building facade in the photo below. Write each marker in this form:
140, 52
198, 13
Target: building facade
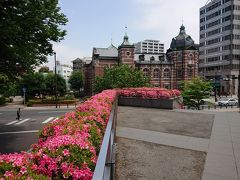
65, 71
149, 46
78, 64
165, 70
219, 51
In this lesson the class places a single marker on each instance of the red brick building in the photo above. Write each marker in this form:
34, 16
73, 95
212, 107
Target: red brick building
165, 70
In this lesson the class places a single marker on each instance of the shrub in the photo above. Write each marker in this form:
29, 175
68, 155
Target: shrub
2, 100
67, 147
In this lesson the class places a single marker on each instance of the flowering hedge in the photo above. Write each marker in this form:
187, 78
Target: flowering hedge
158, 93
68, 147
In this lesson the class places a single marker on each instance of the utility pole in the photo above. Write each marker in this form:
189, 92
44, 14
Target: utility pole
55, 60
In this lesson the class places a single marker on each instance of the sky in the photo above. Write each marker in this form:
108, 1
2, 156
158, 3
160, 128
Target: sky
93, 23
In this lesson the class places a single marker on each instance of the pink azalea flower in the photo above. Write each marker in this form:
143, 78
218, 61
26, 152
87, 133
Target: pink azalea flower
66, 152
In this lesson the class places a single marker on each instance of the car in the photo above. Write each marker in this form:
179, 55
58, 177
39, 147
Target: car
227, 102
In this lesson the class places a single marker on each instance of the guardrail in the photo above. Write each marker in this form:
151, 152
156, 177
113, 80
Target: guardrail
105, 167
202, 107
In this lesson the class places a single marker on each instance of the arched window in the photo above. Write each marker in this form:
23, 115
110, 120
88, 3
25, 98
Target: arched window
191, 59
166, 73
156, 73
146, 72
179, 57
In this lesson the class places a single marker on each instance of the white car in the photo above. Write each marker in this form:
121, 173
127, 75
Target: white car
227, 102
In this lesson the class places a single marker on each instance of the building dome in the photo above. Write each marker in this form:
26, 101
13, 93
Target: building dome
182, 41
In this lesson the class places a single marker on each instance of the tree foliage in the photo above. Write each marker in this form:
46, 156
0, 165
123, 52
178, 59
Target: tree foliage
76, 80
120, 77
34, 84
40, 84
27, 30
50, 84
3, 83
195, 90
44, 69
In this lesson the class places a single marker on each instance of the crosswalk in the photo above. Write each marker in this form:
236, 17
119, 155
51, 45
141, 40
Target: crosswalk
22, 121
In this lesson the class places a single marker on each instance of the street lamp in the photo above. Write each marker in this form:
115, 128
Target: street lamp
55, 60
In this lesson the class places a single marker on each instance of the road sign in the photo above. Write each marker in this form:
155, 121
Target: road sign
24, 89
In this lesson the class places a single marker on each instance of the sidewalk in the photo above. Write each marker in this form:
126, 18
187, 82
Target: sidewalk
223, 158
222, 145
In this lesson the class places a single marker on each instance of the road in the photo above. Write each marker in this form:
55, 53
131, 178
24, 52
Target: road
18, 135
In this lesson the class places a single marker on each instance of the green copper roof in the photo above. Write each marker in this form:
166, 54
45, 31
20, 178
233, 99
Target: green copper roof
182, 41
125, 40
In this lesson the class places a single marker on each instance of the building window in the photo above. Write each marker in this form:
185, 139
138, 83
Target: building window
179, 57
166, 73
146, 72
190, 72
141, 57
166, 86
156, 73
191, 59
179, 73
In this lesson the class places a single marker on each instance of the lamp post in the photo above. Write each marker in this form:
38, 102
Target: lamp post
55, 60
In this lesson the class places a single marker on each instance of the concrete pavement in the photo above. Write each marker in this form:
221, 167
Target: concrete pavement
223, 158
222, 147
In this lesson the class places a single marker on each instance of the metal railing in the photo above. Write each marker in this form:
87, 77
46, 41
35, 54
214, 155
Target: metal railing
105, 167
208, 107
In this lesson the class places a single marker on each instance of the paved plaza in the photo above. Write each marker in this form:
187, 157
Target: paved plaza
178, 144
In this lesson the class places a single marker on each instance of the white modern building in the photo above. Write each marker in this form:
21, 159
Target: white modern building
65, 71
219, 51
149, 46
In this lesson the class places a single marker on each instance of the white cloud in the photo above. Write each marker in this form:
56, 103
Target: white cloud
163, 18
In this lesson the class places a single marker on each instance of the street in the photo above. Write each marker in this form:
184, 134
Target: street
18, 135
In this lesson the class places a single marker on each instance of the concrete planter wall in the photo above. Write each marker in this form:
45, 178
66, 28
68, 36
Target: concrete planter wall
173, 103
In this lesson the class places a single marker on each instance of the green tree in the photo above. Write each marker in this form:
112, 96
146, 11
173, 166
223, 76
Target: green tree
50, 84
7, 87
120, 77
44, 69
27, 30
34, 83
195, 90
76, 81
3, 83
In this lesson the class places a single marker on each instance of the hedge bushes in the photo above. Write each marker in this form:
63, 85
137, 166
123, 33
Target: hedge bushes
67, 148
2, 100
49, 101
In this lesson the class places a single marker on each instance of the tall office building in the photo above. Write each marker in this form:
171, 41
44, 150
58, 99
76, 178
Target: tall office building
149, 46
219, 52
